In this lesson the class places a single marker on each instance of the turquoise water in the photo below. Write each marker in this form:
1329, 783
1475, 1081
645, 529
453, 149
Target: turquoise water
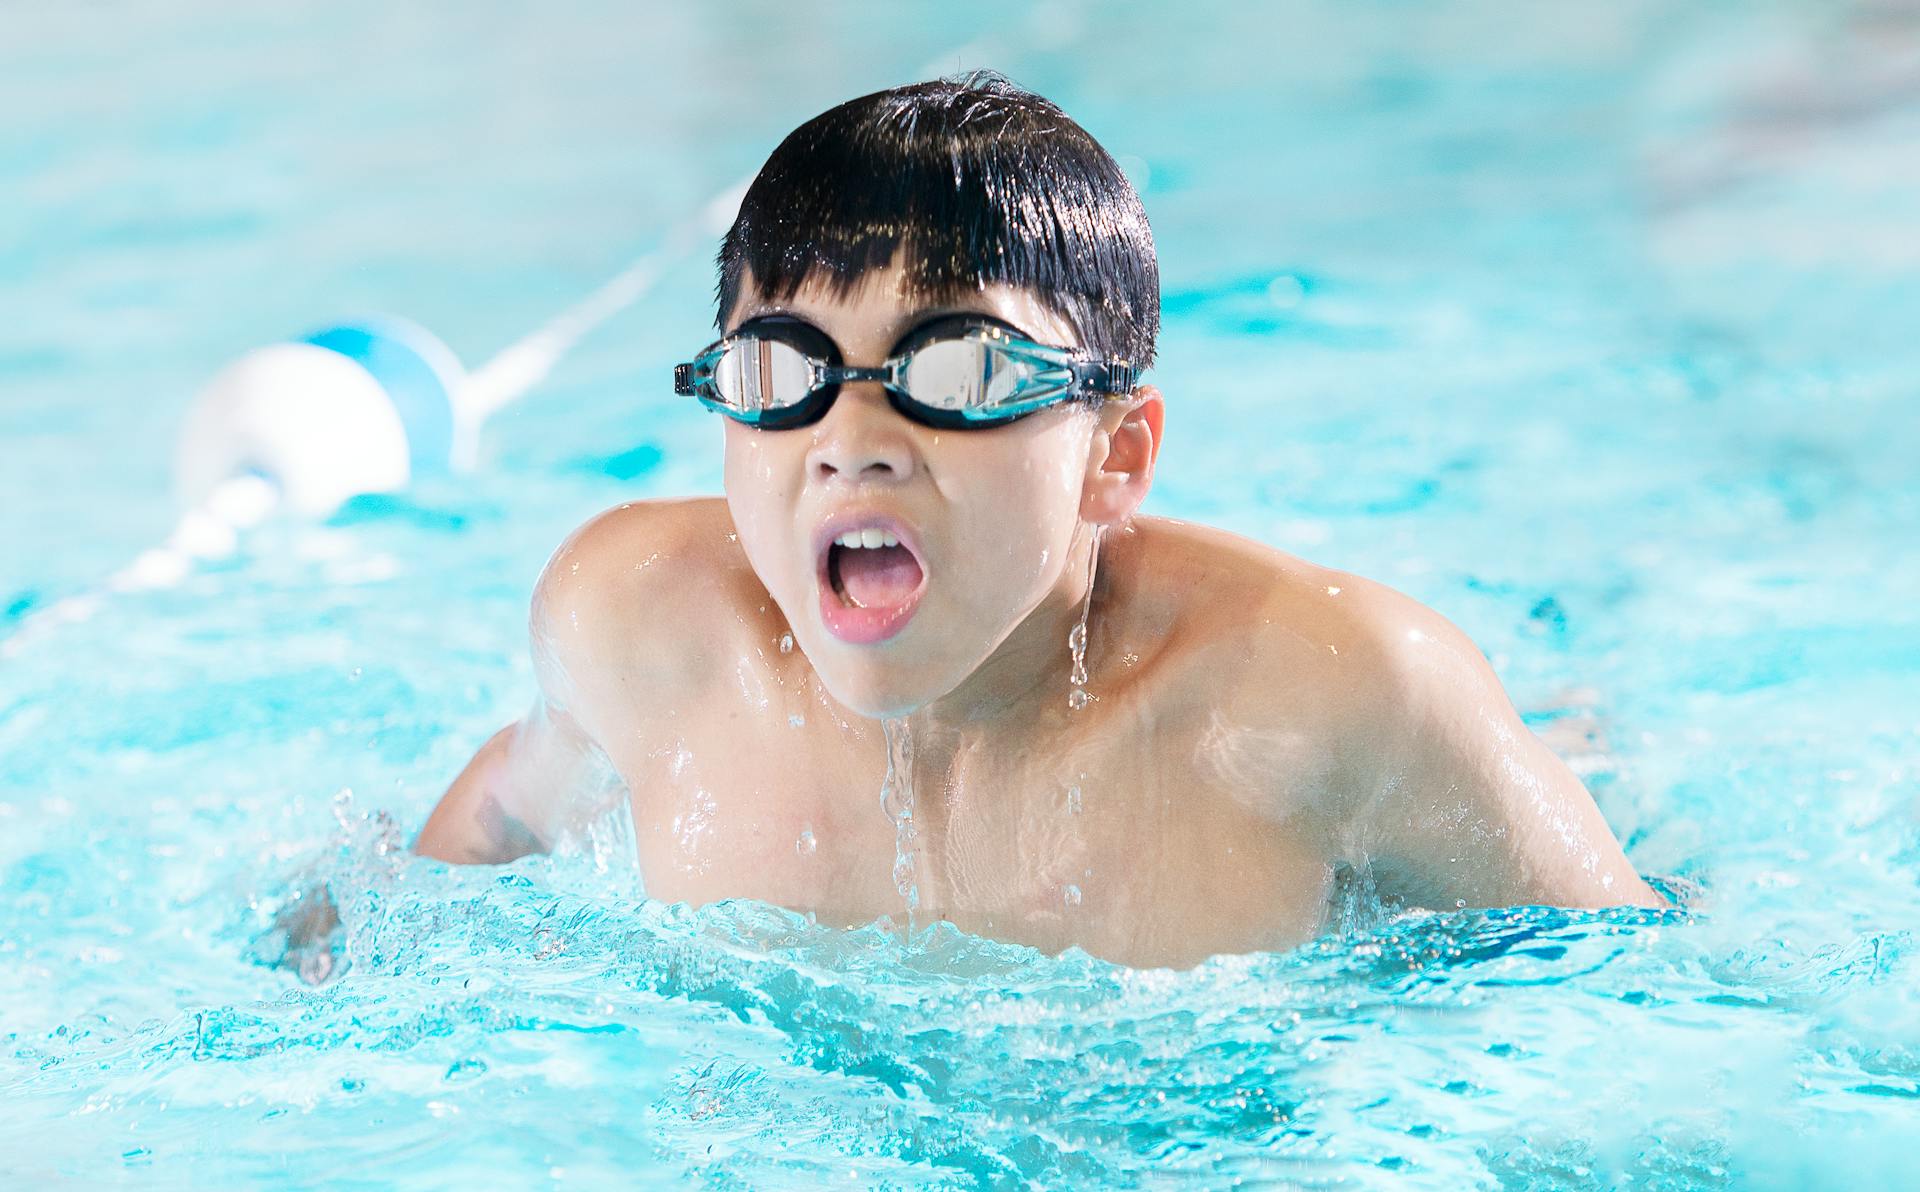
1596, 338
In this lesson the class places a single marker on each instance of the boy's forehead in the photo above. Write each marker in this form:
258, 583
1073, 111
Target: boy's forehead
884, 304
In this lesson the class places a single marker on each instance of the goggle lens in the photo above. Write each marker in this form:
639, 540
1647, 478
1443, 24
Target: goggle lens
755, 375
973, 373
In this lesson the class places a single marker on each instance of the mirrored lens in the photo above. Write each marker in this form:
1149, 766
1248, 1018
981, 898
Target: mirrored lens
970, 374
762, 374
948, 374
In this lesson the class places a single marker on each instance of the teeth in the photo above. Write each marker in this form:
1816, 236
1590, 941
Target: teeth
867, 539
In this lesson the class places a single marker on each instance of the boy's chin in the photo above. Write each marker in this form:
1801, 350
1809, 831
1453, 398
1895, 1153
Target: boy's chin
878, 691
875, 698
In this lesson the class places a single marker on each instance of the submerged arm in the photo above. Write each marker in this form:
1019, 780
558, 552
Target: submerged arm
614, 659
546, 771
519, 792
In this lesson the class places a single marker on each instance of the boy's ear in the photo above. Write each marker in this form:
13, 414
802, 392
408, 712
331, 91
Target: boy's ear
1120, 465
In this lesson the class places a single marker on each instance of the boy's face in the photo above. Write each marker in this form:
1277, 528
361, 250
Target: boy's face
985, 519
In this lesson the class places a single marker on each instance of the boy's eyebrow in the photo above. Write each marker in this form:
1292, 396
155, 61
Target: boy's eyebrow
756, 311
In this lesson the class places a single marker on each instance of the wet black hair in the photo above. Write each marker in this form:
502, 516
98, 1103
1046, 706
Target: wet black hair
979, 182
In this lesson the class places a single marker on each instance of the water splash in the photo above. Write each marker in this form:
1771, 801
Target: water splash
1079, 697
896, 799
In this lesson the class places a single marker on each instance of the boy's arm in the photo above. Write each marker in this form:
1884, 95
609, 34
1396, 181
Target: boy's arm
1468, 807
534, 777
518, 792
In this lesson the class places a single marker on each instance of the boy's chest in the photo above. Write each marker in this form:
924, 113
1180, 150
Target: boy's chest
1117, 843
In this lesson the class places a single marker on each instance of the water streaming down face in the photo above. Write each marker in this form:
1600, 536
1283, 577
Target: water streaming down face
1079, 697
896, 799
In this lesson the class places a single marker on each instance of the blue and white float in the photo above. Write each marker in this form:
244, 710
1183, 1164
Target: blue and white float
365, 407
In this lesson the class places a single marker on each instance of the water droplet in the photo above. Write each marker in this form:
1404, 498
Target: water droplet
1079, 698
796, 720
806, 845
1460, 904
1072, 895
786, 643
1073, 800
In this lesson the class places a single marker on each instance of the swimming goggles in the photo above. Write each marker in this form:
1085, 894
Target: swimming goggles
954, 372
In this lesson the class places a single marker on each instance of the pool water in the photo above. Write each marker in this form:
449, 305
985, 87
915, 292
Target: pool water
1597, 337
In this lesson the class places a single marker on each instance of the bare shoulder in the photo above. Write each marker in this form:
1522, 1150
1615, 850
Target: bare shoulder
1266, 622
1320, 669
636, 600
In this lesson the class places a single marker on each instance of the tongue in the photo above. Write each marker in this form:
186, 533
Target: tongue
878, 578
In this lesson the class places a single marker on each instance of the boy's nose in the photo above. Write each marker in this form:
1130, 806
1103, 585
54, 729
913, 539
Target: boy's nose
861, 439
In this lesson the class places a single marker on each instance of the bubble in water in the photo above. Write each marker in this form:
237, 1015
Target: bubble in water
465, 1069
1286, 291
786, 643
1072, 895
806, 845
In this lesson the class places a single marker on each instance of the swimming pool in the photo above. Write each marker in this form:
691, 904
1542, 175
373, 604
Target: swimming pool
1597, 339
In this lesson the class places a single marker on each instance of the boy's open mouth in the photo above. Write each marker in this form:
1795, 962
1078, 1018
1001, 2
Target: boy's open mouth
872, 580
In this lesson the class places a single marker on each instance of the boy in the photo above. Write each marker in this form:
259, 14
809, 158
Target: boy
935, 304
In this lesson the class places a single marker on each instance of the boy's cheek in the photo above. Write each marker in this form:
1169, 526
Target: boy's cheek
763, 529
747, 467
757, 496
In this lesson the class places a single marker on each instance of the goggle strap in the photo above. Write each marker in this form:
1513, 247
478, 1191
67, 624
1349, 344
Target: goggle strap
683, 380
1109, 376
